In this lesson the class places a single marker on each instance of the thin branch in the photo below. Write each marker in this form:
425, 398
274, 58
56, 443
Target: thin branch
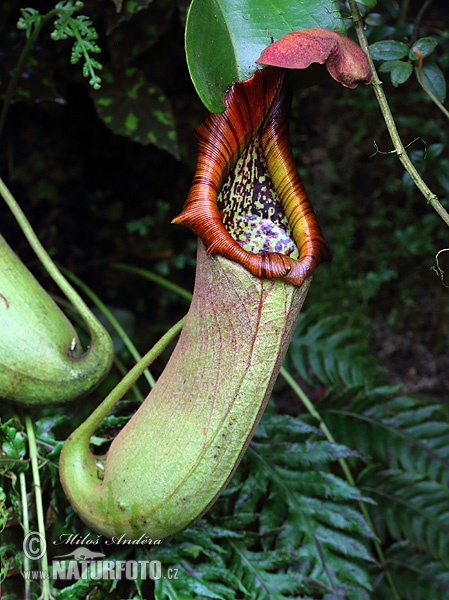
431, 198
26, 529
93, 421
166, 283
46, 592
425, 5
404, 10
99, 337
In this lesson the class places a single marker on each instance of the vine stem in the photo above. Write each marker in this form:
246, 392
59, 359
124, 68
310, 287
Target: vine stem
46, 592
96, 417
399, 148
95, 329
308, 404
26, 529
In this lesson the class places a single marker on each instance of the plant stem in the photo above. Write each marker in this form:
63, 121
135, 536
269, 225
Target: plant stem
97, 416
26, 529
123, 370
308, 404
431, 198
46, 592
424, 6
98, 335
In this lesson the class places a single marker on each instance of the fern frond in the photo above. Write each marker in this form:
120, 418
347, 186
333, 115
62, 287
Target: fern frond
418, 576
79, 28
323, 348
286, 526
305, 511
406, 441
272, 577
399, 432
413, 507
30, 21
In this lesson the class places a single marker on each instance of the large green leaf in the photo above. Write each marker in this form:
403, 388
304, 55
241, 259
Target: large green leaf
225, 37
389, 50
136, 108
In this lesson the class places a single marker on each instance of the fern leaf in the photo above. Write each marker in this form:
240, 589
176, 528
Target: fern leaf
286, 527
406, 441
306, 511
414, 508
323, 348
399, 432
418, 576
201, 554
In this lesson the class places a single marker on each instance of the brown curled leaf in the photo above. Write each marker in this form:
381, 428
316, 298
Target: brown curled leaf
245, 166
344, 59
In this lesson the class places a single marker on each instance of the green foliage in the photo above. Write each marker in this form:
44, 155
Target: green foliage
420, 576
324, 349
224, 38
398, 58
405, 442
399, 71
258, 540
392, 52
289, 525
12, 444
66, 25
131, 106
383, 235
127, 103
433, 79
286, 526
388, 50
30, 21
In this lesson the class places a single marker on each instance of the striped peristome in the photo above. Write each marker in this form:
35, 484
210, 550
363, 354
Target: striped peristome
247, 201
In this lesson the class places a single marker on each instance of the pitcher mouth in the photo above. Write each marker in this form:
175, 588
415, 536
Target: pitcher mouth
251, 210
247, 201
